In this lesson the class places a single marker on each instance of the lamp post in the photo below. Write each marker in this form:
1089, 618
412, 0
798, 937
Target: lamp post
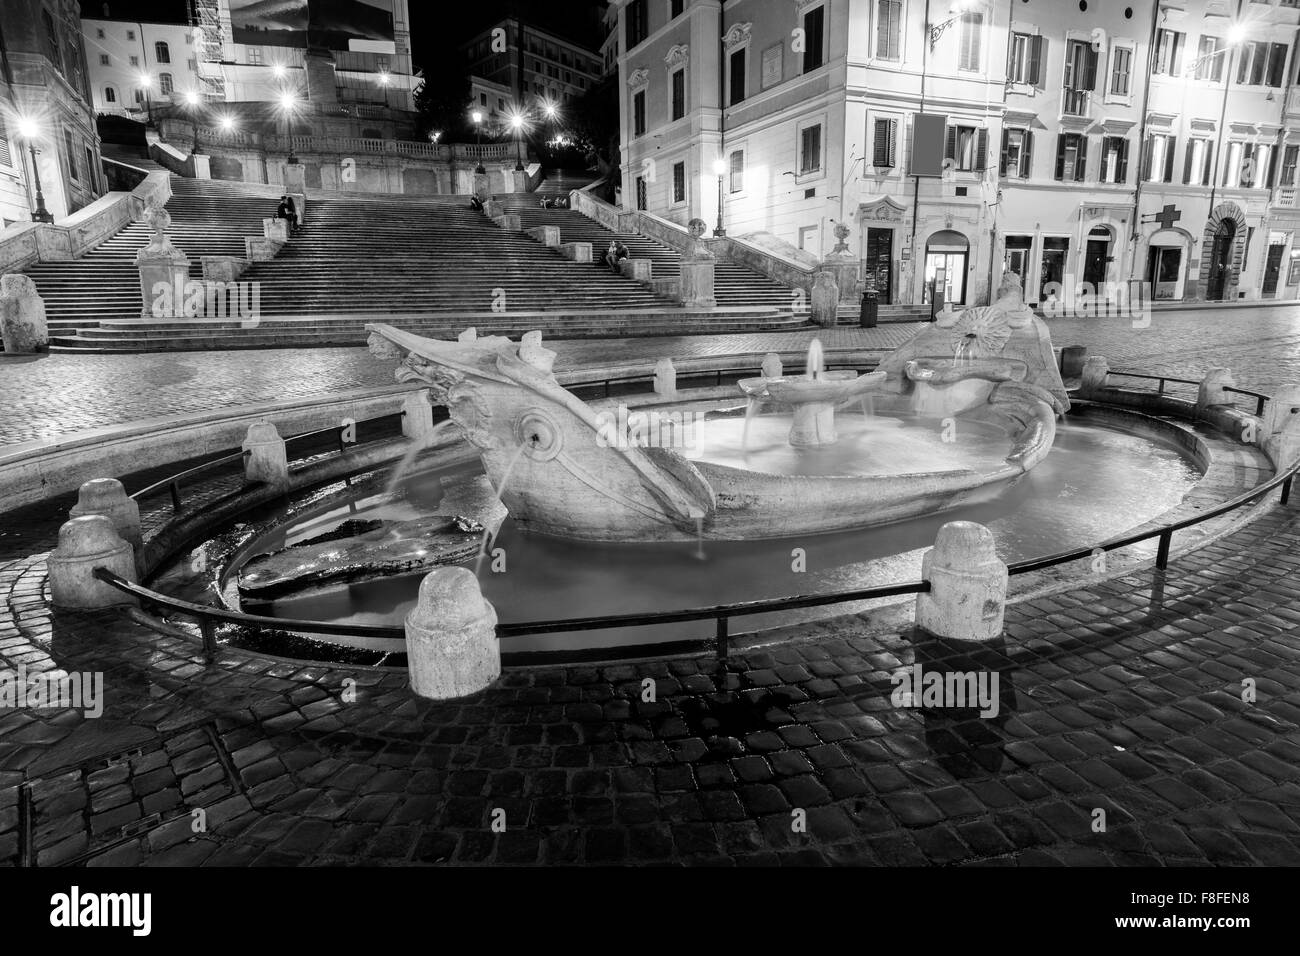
29, 131
192, 99
517, 124
146, 84
477, 117
720, 167
288, 103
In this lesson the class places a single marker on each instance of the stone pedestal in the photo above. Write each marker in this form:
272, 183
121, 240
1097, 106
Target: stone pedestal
295, 180
509, 222
519, 180
772, 367
825, 300
639, 269
276, 229
162, 283
696, 288
1211, 390
546, 235
22, 315
260, 249
200, 164
843, 268
451, 643
1072, 359
267, 459
577, 251
1096, 375
814, 424
417, 418
86, 543
493, 209
482, 187
1280, 430
968, 584
665, 378
223, 268
107, 497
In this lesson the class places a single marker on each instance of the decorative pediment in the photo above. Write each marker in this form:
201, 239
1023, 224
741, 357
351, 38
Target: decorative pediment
1115, 126
1243, 129
1163, 120
882, 210
678, 54
1204, 125
639, 78
738, 34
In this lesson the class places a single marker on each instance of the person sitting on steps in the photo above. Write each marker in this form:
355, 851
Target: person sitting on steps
616, 253
475, 203
287, 211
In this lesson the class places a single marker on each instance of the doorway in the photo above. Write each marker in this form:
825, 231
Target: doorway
1096, 258
1017, 257
1052, 270
1272, 269
947, 255
640, 193
1220, 261
878, 267
1164, 266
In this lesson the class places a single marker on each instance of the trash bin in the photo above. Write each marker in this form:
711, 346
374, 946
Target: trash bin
870, 307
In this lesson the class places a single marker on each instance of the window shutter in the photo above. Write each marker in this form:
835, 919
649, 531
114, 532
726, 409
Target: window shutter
1060, 156
950, 144
982, 150
1090, 69
1176, 60
1026, 155
1002, 160
1123, 161
1081, 160
1037, 50
882, 30
879, 142
1187, 164
1207, 170
1170, 144
1147, 149
892, 149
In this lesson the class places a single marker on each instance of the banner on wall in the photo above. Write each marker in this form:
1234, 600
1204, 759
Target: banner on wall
352, 26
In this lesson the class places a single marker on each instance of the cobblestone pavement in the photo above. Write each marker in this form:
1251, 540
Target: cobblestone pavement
58, 394
1124, 697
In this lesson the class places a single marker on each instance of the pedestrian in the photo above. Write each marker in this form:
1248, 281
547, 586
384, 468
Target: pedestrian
615, 254
287, 211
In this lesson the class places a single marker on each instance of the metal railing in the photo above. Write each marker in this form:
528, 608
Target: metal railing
1260, 398
722, 614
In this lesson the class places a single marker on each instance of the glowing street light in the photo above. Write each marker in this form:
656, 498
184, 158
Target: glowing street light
192, 100
288, 101
1236, 33
30, 130
517, 122
720, 168
477, 117
384, 78
146, 83
277, 70
227, 123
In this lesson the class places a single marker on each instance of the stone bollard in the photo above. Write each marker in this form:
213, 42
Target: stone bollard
295, 178
665, 378
1280, 430
275, 229
451, 642
772, 367
508, 221
417, 420
825, 300
697, 283
22, 315
267, 459
1072, 359
86, 543
968, 584
1096, 375
546, 235
493, 209
107, 497
642, 270
163, 269
1211, 390
577, 251
482, 187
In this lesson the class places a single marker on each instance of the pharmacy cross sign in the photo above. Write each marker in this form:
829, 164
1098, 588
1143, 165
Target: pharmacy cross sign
1166, 217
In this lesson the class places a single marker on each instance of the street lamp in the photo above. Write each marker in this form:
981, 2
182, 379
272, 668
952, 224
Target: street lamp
517, 124
958, 9
30, 131
289, 103
477, 117
720, 167
192, 100
146, 83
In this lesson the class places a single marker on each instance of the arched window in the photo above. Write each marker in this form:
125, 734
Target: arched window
165, 83
160, 52
110, 95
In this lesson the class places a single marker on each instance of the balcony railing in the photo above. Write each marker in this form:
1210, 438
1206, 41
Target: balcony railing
1074, 102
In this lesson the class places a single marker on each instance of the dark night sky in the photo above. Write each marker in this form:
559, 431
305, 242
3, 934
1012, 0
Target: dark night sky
437, 26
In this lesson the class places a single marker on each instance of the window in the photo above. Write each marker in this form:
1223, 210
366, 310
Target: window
888, 16
884, 142
1169, 53
482, 99
1289, 158
139, 96
737, 183
160, 53
110, 95
501, 104
810, 149
1197, 168
1158, 164
679, 182
165, 84
638, 113
90, 167
1071, 157
1209, 59
814, 27
1262, 64
103, 59
772, 58
737, 66
1017, 154
5, 158
52, 51
1024, 59
968, 53
255, 55
636, 23
968, 147
99, 34
1121, 68
1080, 77
1247, 165
679, 93
72, 156
675, 8
135, 61
130, 35
1114, 159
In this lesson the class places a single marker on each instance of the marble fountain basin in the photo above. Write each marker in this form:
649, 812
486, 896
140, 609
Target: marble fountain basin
835, 386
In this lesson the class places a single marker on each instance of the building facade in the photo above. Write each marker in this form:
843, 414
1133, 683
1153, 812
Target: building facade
45, 109
1070, 143
536, 65
133, 64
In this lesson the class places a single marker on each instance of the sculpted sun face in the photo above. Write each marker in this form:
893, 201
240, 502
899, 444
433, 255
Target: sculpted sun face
984, 330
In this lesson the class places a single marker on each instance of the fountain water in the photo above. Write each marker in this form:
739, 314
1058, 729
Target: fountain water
417, 446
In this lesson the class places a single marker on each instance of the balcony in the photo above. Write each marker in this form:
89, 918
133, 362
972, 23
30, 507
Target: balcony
1074, 102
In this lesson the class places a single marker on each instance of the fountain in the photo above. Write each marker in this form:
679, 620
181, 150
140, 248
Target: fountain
568, 479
